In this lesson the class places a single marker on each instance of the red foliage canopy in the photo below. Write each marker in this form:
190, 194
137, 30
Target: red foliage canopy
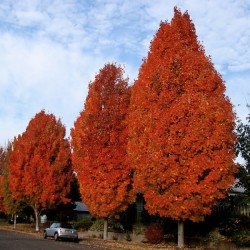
180, 126
40, 169
99, 140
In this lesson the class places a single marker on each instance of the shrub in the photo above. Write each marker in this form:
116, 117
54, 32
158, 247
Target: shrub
215, 235
97, 225
154, 234
83, 223
138, 228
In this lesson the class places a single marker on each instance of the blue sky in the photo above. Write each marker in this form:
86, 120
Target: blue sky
51, 50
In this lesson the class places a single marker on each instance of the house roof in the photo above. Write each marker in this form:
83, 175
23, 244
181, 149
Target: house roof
236, 188
80, 207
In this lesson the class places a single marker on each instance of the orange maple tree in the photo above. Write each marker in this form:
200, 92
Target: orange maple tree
180, 126
99, 140
40, 170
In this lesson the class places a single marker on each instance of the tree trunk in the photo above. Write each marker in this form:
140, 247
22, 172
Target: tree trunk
37, 219
14, 221
105, 229
180, 234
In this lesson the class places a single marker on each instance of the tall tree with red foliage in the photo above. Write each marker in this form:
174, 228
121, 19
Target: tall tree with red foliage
180, 127
40, 169
99, 140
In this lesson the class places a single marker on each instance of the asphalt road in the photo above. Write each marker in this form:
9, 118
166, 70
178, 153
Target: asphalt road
10, 240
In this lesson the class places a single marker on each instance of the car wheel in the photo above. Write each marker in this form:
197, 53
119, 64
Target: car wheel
45, 235
56, 236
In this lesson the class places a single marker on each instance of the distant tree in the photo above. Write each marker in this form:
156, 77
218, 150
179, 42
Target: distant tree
243, 150
2, 160
99, 140
180, 127
2, 209
40, 168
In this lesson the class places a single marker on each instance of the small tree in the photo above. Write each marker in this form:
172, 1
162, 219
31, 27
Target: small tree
99, 140
180, 127
40, 168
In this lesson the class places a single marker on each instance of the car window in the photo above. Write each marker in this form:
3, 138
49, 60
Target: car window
55, 225
67, 225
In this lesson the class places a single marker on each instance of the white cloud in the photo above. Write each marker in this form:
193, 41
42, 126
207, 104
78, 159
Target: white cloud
41, 75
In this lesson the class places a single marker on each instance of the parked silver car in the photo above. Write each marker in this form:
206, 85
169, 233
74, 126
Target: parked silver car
61, 230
